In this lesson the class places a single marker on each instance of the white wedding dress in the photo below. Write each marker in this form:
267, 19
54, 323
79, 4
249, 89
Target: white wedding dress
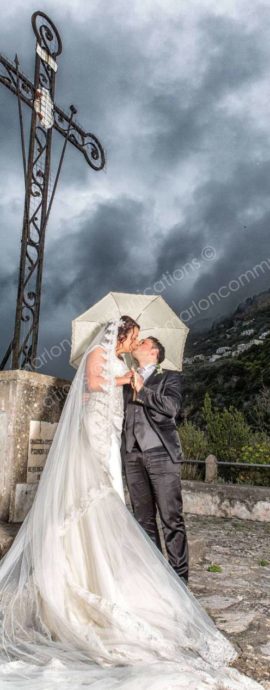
119, 368
87, 601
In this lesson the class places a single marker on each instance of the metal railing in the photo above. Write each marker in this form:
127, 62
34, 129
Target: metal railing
242, 465
227, 471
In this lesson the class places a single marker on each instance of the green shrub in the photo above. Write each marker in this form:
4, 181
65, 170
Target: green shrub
194, 446
257, 451
226, 431
228, 436
194, 442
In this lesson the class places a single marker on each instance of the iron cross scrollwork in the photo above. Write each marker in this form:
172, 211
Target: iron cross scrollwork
46, 116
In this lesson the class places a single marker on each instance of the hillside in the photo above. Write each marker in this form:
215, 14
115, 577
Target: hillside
231, 360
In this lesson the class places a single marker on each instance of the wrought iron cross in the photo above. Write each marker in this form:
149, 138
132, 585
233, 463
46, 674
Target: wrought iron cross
46, 116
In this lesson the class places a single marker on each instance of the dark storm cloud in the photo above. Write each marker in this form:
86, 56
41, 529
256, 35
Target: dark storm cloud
100, 258
231, 58
187, 161
225, 228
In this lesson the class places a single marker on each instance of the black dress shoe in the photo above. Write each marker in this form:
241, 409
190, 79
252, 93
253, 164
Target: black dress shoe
184, 580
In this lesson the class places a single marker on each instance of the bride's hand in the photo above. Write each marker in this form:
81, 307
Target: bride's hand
125, 379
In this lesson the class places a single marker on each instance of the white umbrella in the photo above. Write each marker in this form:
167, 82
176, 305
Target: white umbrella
153, 315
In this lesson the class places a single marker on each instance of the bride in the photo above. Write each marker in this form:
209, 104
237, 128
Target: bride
86, 598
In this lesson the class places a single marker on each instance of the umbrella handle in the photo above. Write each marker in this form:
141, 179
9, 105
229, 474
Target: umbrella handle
133, 386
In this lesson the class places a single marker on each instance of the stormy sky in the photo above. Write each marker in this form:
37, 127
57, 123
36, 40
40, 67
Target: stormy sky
179, 95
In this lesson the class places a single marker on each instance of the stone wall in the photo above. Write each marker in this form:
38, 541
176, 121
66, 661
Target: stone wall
25, 396
227, 500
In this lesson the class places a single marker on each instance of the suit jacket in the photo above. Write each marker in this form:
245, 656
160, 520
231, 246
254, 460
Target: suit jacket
161, 398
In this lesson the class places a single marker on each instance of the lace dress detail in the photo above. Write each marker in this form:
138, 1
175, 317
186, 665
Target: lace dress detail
76, 513
103, 419
95, 409
97, 427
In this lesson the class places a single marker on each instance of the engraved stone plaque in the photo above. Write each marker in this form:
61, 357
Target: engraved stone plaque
3, 447
40, 439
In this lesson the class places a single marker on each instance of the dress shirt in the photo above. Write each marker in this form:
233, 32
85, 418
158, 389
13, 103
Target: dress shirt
146, 371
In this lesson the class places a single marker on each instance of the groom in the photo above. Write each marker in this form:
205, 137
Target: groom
152, 453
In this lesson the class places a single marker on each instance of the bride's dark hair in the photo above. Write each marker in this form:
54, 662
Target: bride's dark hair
127, 325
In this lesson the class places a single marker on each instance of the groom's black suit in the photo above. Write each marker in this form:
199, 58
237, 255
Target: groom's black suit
152, 453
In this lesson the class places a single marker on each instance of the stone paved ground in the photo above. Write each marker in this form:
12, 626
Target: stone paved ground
7, 533
238, 598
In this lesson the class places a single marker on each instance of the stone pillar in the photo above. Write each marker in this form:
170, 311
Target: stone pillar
211, 469
26, 397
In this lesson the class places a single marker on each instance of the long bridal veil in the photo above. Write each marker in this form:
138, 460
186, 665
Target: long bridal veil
86, 598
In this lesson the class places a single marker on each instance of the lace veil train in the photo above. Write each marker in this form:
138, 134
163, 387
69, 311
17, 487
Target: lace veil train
86, 598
